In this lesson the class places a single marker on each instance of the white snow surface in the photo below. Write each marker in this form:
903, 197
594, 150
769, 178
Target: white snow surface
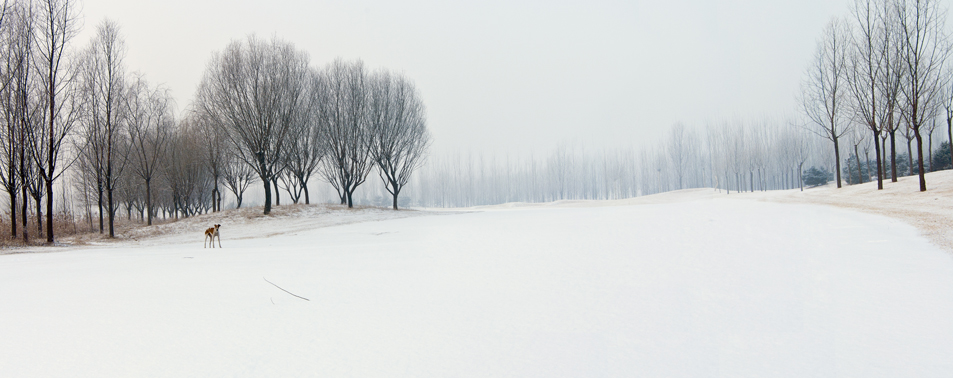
693, 286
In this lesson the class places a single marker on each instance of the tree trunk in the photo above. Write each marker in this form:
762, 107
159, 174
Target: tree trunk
860, 173
923, 181
101, 224
867, 167
26, 229
307, 198
395, 193
51, 150
800, 182
39, 217
893, 156
214, 203
930, 150
949, 135
267, 183
880, 178
149, 201
111, 209
909, 158
837, 161
883, 156
13, 210
850, 180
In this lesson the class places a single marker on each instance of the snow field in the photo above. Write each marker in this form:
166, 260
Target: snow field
699, 288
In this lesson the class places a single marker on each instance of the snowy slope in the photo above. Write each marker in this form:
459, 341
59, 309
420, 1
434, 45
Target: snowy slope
696, 286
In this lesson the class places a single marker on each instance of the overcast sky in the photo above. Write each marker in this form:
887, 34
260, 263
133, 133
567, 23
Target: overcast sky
511, 76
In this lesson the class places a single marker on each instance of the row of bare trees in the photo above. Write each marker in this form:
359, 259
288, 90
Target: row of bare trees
40, 105
732, 156
288, 122
882, 70
261, 112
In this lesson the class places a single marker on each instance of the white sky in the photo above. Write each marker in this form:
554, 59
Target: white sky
510, 76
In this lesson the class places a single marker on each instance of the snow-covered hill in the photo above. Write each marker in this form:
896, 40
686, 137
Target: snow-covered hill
685, 284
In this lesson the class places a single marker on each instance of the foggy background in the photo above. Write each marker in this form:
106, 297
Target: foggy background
504, 77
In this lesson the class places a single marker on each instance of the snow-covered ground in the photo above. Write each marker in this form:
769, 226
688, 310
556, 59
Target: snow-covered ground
686, 284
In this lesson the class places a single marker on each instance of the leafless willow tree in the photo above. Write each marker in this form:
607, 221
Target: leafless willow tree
824, 93
237, 176
305, 151
252, 90
925, 49
398, 125
344, 117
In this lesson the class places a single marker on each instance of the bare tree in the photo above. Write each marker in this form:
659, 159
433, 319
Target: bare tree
237, 175
823, 96
858, 137
925, 49
344, 117
184, 171
757, 153
104, 77
891, 75
215, 146
909, 135
399, 130
150, 122
802, 147
948, 107
306, 151
252, 90
58, 25
91, 144
931, 127
18, 97
677, 151
867, 60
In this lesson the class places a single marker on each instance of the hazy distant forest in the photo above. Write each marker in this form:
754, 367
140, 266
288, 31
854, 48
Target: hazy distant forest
87, 142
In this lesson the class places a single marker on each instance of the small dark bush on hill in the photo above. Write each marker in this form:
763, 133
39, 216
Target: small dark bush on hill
816, 177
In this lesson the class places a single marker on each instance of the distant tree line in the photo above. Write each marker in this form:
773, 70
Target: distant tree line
879, 74
732, 156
